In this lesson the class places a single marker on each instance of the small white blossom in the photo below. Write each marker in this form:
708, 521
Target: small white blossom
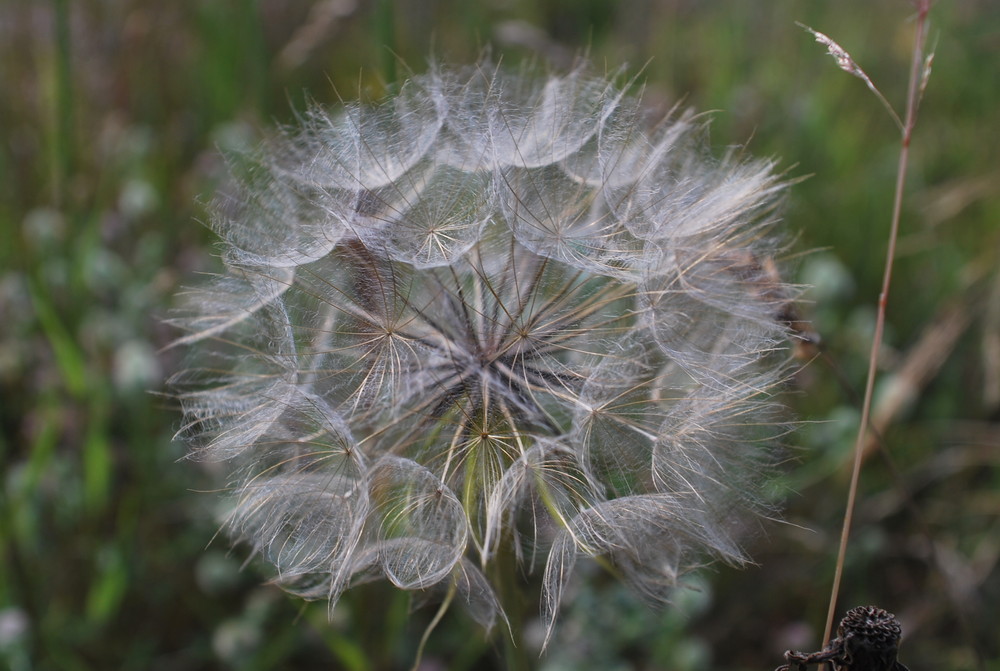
493, 310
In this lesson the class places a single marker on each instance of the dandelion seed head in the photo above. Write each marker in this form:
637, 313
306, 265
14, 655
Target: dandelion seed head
495, 310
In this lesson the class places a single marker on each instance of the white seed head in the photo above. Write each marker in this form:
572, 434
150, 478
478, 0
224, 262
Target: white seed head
495, 310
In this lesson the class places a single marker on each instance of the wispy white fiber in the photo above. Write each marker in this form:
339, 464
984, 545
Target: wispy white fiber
496, 314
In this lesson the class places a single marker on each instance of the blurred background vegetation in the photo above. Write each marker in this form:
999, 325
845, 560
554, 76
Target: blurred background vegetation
113, 118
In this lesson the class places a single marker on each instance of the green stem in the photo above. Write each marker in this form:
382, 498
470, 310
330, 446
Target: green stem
445, 604
62, 101
385, 31
507, 583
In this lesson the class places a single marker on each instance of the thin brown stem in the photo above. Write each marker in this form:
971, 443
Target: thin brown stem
916, 85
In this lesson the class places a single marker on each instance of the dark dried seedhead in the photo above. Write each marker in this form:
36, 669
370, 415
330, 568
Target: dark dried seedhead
871, 627
867, 640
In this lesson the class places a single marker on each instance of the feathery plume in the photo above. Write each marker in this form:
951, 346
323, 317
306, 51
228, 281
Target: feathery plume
495, 310
846, 63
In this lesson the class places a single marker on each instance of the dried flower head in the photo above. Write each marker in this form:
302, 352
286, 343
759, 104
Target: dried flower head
867, 640
495, 310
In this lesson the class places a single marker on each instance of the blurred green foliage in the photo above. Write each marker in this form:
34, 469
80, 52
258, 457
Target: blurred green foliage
113, 119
